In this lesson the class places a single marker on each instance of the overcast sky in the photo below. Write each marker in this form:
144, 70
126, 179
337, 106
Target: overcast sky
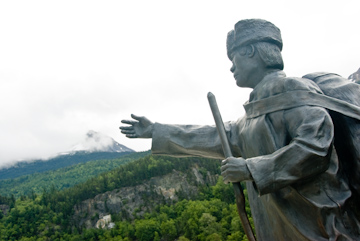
67, 67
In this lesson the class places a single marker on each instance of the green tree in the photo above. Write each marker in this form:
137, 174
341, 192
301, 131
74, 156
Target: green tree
168, 230
223, 191
145, 229
126, 229
208, 226
213, 237
235, 236
183, 238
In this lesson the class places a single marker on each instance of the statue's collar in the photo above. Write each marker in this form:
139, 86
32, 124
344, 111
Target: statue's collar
273, 75
262, 88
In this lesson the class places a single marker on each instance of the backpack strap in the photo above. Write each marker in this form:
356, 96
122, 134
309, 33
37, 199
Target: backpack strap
299, 98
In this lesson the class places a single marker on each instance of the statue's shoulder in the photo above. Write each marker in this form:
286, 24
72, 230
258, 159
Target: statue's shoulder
304, 84
276, 84
336, 86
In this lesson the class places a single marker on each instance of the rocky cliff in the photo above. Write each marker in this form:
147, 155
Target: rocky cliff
4, 209
128, 202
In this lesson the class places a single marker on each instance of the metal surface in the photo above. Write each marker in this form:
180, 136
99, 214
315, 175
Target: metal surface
239, 194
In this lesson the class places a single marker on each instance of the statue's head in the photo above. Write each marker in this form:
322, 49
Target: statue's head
250, 31
258, 40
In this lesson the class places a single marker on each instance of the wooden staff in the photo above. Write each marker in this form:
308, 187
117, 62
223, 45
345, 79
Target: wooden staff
239, 194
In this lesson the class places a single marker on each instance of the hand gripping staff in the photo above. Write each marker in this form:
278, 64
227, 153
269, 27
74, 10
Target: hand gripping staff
239, 195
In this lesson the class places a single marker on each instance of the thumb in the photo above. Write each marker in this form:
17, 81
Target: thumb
138, 118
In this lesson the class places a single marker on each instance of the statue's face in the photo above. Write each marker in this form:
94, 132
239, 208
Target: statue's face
241, 69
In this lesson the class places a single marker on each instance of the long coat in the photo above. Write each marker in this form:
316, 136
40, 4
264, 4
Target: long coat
299, 189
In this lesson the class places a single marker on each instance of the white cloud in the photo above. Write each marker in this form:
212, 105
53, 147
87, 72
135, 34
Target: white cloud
72, 66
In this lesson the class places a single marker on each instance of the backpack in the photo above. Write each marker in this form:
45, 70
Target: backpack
347, 129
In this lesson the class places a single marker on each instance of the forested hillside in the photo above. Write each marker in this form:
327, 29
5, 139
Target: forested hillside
210, 215
61, 161
68, 176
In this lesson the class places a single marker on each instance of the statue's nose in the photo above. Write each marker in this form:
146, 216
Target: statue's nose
232, 69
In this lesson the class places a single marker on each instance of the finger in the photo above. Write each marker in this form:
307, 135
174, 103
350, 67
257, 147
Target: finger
130, 122
223, 168
128, 131
138, 118
224, 173
131, 136
225, 180
126, 128
224, 161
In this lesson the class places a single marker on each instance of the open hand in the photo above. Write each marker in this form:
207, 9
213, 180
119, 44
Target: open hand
235, 170
140, 127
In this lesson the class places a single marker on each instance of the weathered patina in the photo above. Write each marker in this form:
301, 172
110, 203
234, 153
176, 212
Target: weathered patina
297, 184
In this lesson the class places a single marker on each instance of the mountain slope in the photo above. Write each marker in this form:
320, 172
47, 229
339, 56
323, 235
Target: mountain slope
129, 175
39, 166
97, 142
65, 177
95, 146
146, 199
131, 201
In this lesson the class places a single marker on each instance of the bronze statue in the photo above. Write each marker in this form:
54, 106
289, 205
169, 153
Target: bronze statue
297, 179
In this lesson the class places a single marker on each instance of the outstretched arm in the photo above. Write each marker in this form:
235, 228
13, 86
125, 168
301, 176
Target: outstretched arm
139, 127
180, 140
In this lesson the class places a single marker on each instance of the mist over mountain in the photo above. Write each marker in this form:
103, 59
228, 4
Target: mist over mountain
97, 142
95, 146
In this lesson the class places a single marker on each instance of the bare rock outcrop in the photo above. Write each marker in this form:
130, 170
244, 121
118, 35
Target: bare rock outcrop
128, 202
4, 209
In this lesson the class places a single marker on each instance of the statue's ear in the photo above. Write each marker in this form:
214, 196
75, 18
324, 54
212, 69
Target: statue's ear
250, 52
